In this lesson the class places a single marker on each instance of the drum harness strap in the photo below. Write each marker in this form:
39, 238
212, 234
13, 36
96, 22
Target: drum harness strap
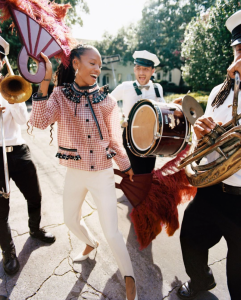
138, 91
156, 91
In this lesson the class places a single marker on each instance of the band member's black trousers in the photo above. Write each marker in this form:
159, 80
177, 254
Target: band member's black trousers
211, 215
23, 171
140, 165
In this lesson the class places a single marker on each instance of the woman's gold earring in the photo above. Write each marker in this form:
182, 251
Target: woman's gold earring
76, 72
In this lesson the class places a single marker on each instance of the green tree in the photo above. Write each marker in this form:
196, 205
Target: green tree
10, 35
73, 13
123, 43
206, 47
161, 29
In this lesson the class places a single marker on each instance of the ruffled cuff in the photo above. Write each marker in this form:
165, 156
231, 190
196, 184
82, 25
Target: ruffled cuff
35, 97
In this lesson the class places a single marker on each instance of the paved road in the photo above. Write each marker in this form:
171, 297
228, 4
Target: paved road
47, 271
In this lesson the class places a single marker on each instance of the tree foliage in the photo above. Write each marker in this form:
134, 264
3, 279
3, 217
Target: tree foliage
10, 35
161, 29
123, 43
73, 13
206, 47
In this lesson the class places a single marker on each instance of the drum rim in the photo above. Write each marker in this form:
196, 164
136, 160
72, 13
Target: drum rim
133, 149
161, 134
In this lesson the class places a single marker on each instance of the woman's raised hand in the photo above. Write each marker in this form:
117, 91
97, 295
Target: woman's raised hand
48, 64
44, 85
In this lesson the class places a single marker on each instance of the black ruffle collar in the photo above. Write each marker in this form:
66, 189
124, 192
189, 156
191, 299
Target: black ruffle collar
84, 88
74, 93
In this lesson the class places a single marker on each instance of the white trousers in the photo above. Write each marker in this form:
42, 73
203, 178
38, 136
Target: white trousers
101, 185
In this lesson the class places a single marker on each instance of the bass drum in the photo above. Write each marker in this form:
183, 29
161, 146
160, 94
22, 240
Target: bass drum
156, 128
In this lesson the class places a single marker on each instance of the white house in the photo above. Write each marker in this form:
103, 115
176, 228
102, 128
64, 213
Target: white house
115, 73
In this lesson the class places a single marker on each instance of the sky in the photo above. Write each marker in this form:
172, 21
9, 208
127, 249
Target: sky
107, 15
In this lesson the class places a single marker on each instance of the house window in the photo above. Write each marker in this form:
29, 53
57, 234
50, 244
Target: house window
119, 78
159, 76
106, 79
98, 79
170, 76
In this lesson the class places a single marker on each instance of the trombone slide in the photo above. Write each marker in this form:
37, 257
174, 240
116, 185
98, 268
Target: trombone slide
5, 161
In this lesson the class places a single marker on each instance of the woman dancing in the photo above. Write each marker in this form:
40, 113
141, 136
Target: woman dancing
89, 135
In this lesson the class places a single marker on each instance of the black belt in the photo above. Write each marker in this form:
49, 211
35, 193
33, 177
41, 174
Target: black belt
229, 189
8, 148
11, 148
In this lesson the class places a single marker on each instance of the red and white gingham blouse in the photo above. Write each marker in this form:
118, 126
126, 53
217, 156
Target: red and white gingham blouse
77, 130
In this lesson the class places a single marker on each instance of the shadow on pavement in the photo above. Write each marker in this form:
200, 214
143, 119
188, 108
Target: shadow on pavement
29, 246
87, 267
149, 274
206, 296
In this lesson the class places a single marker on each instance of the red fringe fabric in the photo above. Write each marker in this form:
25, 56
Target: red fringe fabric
50, 16
169, 188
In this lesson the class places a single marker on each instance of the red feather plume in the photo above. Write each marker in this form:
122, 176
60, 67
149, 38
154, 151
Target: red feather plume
169, 188
48, 15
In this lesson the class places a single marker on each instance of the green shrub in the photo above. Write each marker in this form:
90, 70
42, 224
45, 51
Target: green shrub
200, 96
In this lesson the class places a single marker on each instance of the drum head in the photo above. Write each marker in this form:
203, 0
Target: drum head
144, 127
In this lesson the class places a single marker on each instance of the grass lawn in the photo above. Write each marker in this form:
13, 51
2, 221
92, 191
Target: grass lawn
201, 97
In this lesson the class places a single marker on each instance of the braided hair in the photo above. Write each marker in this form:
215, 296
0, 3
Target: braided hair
67, 75
223, 92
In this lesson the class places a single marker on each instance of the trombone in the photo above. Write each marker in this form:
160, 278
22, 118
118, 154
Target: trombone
14, 89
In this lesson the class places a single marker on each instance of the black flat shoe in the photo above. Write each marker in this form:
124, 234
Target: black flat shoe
43, 236
186, 291
10, 262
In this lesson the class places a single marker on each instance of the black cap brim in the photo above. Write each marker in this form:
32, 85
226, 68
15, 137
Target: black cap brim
144, 62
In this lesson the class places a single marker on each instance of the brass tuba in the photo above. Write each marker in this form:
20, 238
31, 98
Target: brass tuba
14, 88
226, 140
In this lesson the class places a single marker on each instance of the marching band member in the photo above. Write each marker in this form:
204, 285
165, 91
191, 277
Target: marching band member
132, 91
215, 211
22, 171
89, 135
